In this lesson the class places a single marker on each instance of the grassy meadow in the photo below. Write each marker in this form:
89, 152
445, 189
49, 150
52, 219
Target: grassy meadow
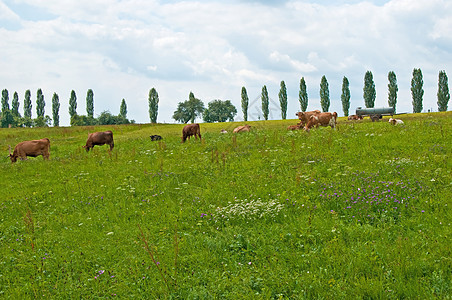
361, 212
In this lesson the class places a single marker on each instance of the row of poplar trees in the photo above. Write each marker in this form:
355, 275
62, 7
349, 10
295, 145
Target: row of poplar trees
10, 117
369, 94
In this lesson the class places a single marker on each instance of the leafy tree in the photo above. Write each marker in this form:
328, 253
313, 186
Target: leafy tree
245, 102
303, 95
153, 105
15, 105
182, 114
56, 109
90, 103
106, 118
219, 111
27, 121
195, 106
392, 89
345, 97
40, 104
443, 91
189, 110
369, 92
123, 109
42, 121
283, 99
73, 104
265, 102
324, 94
417, 92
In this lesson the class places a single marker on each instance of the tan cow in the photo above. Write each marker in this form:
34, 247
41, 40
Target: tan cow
191, 130
355, 117
322, 119
305, 116
395, 121
99, 139
293, 127
243, 128
30, 148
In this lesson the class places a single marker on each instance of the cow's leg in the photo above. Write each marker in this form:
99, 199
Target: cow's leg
111, 146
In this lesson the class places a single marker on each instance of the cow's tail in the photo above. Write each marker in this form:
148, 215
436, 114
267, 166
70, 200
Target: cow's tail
333, 119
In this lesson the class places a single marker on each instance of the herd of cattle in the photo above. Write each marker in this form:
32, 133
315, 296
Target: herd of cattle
308, 120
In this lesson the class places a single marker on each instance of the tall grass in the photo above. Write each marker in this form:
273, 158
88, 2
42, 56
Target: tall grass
357, 212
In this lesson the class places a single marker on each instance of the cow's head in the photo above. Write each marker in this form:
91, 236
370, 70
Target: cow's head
12, 156
86, 148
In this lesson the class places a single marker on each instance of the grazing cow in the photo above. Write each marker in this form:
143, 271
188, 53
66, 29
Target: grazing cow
30, 148
191, 130
242, 128
395, 121
99, 139
355, 117
305, 116
293, 127
155, 137
322, 119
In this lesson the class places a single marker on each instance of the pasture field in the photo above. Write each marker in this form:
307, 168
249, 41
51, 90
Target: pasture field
361, 212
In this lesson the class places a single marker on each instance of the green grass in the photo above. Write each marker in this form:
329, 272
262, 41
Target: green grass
361, 212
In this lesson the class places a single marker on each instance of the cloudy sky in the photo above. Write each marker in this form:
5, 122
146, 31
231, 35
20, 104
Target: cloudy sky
123, 48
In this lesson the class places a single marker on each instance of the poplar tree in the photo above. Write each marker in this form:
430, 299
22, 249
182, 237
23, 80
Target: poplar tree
392, 90
73, 104
443, 91
153, 105
56, 109
5, 100
417, 91
345, 97
15, 105
27, 104
40, 104
265, 102
283, 99
324, 94
303, 95
195, 107
245, 102
369, 92
123, 109
7, 118
90, 103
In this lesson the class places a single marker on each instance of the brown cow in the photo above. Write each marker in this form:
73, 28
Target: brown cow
323, 119
30, 148
305, 116
355, 117
99, 139
293, 127
191, 130
243, 128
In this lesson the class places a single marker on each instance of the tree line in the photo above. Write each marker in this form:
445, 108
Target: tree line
11, 117
221, 111
217, 110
